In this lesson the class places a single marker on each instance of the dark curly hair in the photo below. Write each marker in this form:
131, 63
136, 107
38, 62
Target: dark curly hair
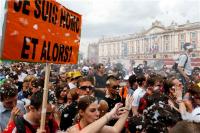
8, 89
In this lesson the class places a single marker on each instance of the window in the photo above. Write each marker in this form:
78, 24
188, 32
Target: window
138, 46
167, 38
193, 34
166, 48
156, 48
194, 44
182, 36
182, 44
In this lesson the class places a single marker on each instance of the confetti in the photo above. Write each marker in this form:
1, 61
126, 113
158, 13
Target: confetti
67, 34
35, 26
23, 21
28, 40
14, 33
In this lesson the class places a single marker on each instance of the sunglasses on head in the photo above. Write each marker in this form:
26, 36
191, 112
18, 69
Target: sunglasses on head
86, 87
195, 97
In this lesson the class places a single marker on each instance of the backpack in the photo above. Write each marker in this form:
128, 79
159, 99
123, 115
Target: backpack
175, 65
20, 123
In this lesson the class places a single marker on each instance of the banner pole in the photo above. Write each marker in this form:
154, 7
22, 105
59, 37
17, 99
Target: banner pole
45, 97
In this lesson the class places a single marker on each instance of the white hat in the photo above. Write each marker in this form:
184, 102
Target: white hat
85, 69
189, 47
126, 77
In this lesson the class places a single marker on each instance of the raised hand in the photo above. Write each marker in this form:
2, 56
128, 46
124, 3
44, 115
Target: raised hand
15, 111
128, 102
113, 114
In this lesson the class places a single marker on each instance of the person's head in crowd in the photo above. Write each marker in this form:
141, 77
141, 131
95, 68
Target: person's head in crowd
145, 62
7, 71
13, 77
185, 127
157, 118
36, 85
72, 96
195, 94
75, 77
103, 107
26, 82
133, 82
85, 85
141, 80
169, 88
136, 124
138, 70
8, 94
176, 82
112, 86
88, 109
159, 80
188, 47
113, 76
61, 94
35, 108
16, 67
196, 73
85, 70
101, 68
160, 117
150, 84
62, 77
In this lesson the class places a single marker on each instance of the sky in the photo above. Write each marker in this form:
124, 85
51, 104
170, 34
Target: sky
107, 18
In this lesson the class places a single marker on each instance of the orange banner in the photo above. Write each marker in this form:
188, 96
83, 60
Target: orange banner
41, 31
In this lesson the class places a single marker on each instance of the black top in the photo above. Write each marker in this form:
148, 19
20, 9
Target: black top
68, 115
100, 81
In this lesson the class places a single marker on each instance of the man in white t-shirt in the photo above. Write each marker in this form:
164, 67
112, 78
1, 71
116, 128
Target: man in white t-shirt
138, 93
184, 65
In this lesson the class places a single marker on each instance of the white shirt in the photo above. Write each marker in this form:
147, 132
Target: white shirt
182, 60
138, 94
72, 86
21, 77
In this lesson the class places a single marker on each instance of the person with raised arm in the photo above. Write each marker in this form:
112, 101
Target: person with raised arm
90, 117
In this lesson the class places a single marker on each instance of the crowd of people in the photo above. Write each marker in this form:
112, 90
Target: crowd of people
93, 99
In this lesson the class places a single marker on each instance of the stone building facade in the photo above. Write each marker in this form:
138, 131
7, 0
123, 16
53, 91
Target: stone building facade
157, 43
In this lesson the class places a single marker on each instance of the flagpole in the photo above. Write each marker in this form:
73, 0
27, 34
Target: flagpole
45, 97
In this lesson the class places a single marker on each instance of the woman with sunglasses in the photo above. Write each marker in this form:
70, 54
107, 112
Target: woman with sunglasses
89, 117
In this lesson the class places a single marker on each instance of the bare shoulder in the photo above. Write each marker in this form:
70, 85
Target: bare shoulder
73, 129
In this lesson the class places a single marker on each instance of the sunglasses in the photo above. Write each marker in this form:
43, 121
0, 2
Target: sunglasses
86, 87
116, 87
64, 90
179, 85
